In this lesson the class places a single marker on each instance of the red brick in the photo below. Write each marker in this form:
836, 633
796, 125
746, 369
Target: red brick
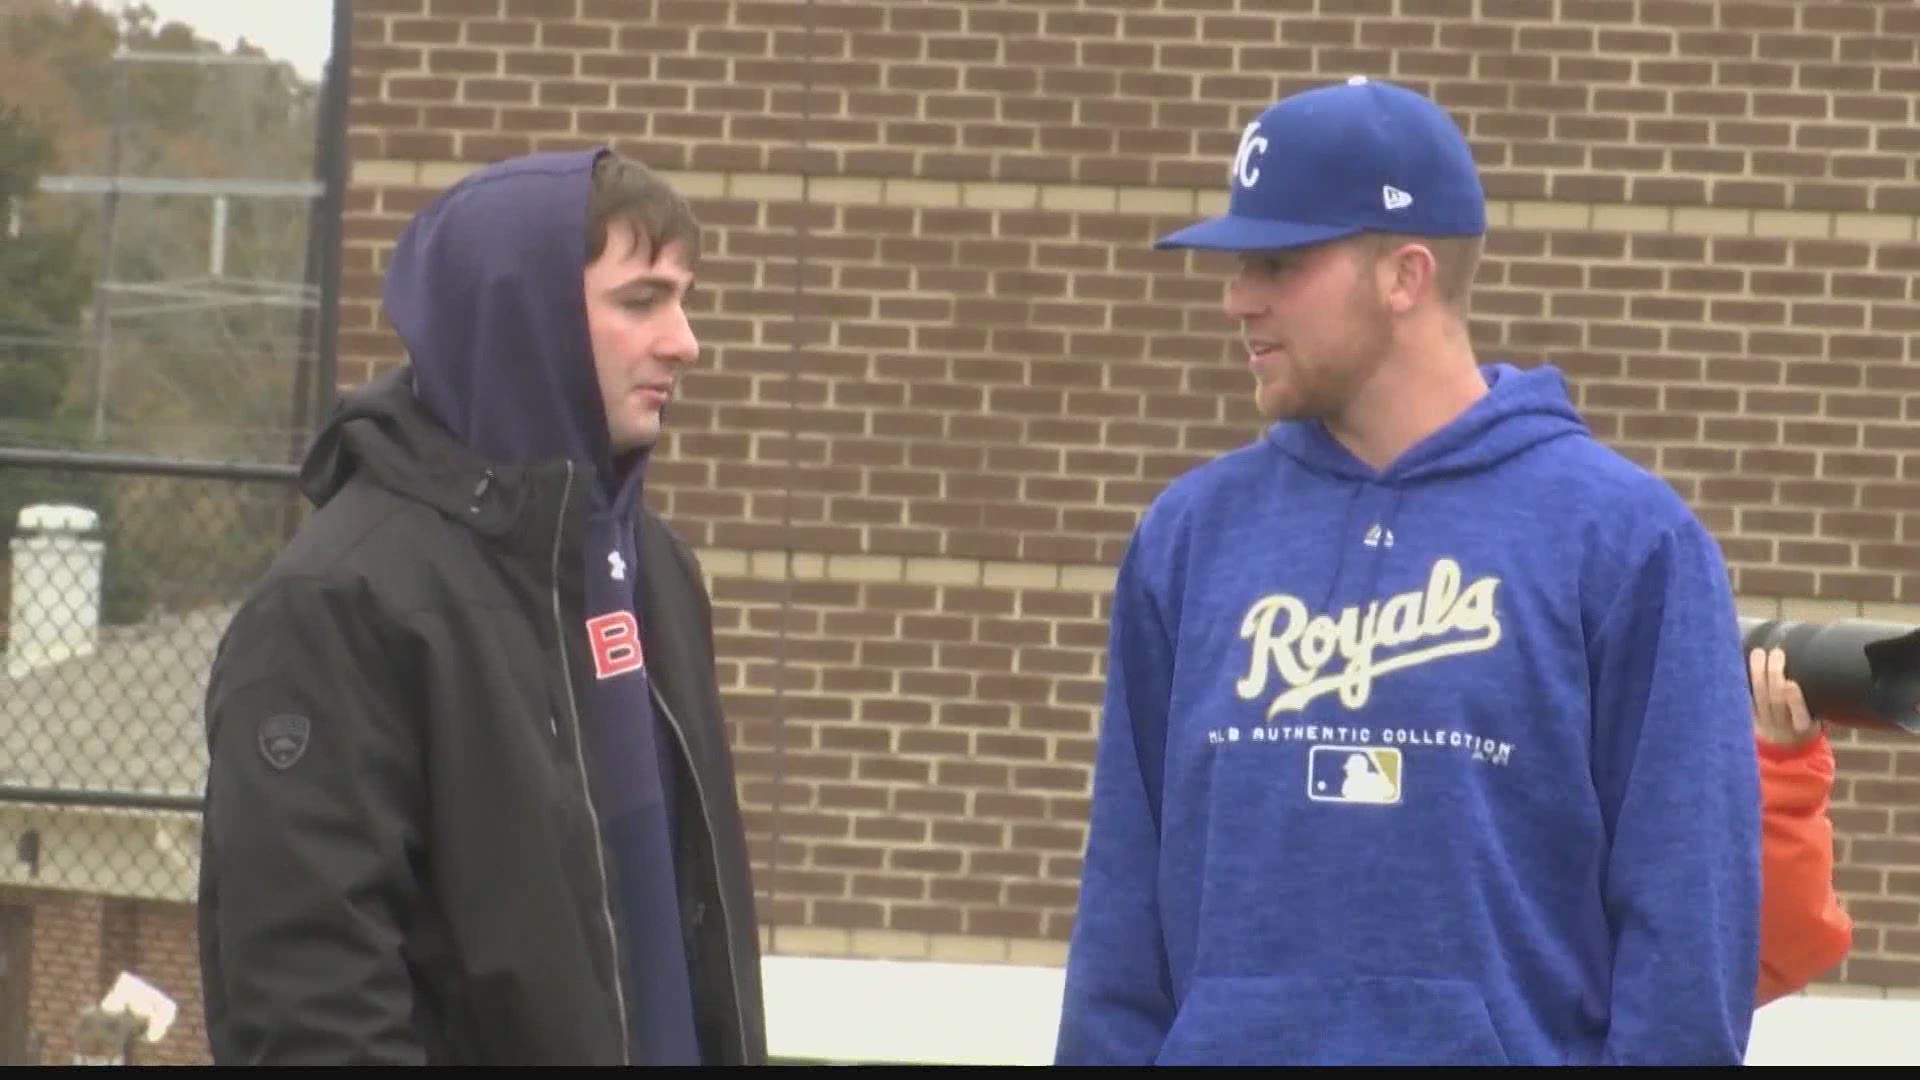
1017, 384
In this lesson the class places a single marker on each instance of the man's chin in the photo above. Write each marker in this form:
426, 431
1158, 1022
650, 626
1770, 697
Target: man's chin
1277, 406
632, 442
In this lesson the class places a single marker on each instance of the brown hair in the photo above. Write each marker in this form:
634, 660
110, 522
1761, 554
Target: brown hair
627, 192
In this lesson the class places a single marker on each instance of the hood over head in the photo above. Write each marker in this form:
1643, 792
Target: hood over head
485, 290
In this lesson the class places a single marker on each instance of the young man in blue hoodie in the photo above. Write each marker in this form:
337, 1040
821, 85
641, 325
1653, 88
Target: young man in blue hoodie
470, 797
1426, 736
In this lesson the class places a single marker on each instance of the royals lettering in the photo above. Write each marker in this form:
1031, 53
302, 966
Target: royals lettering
1408, 629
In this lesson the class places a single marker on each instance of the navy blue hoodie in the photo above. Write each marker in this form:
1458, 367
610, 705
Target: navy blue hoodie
485, 289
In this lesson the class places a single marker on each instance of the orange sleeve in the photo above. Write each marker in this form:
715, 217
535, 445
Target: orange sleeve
1803, 929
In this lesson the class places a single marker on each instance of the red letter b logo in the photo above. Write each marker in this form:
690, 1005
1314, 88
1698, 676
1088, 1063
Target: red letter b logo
616, 644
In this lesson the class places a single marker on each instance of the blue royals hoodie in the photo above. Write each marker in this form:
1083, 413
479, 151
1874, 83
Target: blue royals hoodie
485, 289
1448, 763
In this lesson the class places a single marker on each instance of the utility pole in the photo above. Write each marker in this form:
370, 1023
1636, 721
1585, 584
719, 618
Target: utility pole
110, 209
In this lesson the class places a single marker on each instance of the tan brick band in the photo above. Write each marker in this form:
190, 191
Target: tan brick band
907, 945
1082, 578
908, 570
994, 195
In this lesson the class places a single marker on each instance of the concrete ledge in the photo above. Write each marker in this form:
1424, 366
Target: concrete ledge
910, 1011
922, 1011
1826, 1029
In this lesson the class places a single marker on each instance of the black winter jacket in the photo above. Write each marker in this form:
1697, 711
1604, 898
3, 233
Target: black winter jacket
402, 862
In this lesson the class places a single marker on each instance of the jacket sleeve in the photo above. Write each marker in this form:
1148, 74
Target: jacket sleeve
1803, 929
1117, 1001
311, 836
1678, 785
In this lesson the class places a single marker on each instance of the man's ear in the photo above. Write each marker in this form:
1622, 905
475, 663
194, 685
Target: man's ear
1407, 274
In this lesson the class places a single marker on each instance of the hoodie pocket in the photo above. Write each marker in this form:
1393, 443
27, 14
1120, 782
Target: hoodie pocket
1300, 1020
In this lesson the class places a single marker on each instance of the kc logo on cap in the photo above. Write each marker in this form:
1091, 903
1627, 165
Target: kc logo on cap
1246, 162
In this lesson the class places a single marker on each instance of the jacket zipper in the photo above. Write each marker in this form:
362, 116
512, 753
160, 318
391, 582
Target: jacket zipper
713, 844
580, 757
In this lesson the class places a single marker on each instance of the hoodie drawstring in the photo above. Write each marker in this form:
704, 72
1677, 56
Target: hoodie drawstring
1341, 540
480, 491
1385, 540
1380, 541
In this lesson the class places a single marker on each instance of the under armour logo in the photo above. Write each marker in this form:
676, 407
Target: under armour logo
1394, 198
1379, 537
616, 566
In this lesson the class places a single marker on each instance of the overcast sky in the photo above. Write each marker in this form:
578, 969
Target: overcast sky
297, 31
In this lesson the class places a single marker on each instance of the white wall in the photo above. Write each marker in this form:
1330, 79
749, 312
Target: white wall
1812, 1029
908, 1011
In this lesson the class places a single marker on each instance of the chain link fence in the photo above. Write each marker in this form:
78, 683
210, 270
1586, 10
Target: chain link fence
173, 233
121, 576
118, 576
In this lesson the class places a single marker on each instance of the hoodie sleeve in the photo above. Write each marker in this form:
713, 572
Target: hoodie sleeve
1803, 929
1118, 1000
311, 836
1674, 768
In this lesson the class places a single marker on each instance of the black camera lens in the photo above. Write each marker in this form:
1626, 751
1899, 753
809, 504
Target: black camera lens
1854, 672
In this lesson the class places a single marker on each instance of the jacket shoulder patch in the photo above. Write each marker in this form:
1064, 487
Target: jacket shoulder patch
283, 739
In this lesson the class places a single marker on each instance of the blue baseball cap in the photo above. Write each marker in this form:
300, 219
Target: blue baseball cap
1333, 161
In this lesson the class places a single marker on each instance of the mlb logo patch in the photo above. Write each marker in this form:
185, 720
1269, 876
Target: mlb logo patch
1353, 774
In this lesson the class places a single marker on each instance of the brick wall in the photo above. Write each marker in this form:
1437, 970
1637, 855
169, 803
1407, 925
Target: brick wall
66, 966
943, 369
164, 950
81, 944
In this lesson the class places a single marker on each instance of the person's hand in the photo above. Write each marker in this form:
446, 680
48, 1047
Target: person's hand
1780, 712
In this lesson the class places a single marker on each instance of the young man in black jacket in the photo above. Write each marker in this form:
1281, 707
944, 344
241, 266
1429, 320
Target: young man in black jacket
470, 796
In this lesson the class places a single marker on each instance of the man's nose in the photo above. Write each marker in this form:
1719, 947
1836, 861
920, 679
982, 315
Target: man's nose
679, 344
1239, 300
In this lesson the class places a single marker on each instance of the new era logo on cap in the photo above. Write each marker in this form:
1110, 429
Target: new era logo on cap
1343, 159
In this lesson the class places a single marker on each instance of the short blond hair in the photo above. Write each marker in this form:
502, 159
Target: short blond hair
1456, 262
